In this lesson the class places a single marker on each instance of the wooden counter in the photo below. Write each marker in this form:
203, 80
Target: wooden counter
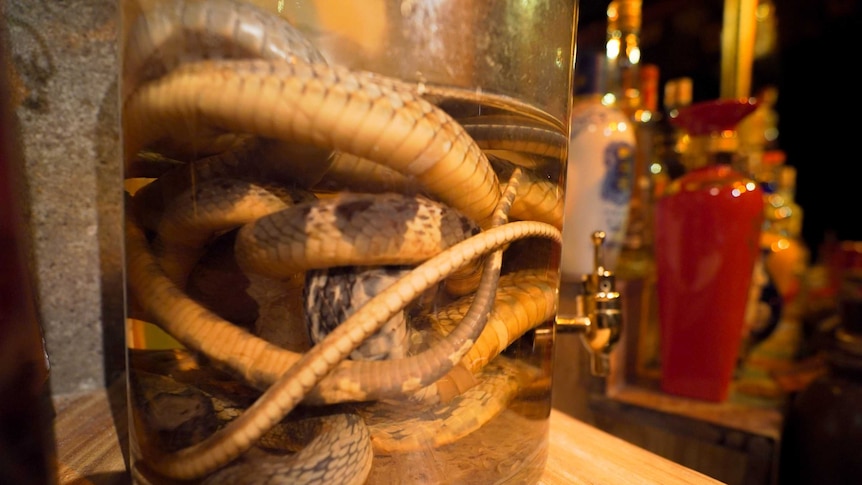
91, 438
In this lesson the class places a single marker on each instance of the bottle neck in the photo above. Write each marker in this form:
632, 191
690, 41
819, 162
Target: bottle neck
713, 149
622, 49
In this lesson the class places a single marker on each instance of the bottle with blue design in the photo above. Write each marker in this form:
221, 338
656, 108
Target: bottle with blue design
600, 173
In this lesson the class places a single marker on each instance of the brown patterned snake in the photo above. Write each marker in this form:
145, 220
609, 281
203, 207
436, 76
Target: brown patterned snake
227, 88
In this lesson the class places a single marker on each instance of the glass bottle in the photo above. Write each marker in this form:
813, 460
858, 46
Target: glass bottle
758, 132
707, 227
637, 262
673, 139
776, 340
635, 265
599, 173
787, 255
314, 201
622, 48
649, 120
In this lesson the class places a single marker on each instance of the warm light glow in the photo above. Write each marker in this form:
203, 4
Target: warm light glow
612, 49
619, 126
633, 51
740, 189
643, 115
655, 168
771, 134
763, 11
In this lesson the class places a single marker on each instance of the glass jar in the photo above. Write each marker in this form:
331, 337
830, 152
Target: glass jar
342, 237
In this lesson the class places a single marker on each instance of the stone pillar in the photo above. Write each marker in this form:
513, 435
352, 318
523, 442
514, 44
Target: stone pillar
64, 72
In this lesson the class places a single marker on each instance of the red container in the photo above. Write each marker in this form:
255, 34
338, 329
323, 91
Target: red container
706, 244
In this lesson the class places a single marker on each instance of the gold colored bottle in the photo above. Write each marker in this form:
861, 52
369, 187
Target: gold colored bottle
673, 140
638, 260
635, 273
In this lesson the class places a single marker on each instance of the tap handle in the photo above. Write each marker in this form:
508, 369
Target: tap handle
592, 307
598, 253
600, 364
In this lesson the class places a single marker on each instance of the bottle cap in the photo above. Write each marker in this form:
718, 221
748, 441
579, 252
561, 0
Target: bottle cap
713, 117
684, 90
629, 12
773, 158
787, 177
677, 93
649, 79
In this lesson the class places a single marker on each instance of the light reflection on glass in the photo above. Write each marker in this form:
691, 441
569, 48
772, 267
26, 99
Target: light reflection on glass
613, 48
633, 53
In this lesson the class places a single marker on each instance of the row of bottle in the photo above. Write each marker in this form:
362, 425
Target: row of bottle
688, 200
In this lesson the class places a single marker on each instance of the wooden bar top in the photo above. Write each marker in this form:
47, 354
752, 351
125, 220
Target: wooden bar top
91, 444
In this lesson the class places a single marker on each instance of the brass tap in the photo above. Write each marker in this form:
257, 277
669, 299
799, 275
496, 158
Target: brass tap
592, 307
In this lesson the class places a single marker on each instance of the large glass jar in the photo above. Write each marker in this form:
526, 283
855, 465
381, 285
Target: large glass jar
342, 237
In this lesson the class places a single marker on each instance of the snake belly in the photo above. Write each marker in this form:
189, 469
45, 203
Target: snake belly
230, 107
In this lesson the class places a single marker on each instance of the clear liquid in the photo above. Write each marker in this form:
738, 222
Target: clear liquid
178, 397
510, 445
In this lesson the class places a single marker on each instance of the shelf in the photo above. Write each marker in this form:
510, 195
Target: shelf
748, 433
765, 422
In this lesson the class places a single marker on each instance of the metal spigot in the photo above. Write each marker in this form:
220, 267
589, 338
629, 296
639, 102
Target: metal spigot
592, 307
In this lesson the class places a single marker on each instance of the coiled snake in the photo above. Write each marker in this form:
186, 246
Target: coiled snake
263, 130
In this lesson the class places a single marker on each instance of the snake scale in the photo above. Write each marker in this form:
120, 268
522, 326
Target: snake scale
253, 131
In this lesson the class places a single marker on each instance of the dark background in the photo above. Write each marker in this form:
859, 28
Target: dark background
813, 68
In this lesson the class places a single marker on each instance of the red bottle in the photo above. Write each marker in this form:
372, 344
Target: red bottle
706, 243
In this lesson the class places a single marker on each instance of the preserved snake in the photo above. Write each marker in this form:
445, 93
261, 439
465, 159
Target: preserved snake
251, 123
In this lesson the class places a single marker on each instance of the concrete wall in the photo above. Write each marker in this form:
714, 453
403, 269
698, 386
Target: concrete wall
64, 76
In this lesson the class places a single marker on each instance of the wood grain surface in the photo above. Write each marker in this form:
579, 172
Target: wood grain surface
92, 443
